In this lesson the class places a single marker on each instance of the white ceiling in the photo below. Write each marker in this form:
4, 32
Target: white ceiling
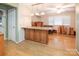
51, 7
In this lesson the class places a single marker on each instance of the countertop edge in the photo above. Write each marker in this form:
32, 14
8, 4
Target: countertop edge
38, 28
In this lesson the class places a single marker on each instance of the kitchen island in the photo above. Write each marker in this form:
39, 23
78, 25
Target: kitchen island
38, 34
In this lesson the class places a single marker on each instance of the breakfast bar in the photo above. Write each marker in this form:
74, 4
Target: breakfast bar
38, 34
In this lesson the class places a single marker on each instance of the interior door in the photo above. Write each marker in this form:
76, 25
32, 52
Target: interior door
12, 24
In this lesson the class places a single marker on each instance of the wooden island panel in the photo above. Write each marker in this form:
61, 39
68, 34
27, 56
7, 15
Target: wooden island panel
27, 34
31, 34
44, 37
38, 35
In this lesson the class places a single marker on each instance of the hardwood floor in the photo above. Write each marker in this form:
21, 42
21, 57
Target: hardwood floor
61, 41
59, 45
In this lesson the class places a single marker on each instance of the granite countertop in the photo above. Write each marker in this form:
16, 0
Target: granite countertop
40, 28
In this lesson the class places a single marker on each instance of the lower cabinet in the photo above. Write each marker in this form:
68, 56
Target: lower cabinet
1, 44
44, 37
31, 34
37, 35
27, 34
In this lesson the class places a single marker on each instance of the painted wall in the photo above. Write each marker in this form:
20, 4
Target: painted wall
24, 19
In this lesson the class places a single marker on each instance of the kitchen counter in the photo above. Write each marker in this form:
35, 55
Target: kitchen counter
37, 34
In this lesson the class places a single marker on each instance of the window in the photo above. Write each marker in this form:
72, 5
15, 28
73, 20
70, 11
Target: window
66, 20
59, 20
51, 21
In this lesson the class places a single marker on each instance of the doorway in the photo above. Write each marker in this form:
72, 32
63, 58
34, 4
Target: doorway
8, 21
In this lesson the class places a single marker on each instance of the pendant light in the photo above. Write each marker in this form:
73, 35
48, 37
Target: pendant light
37, 14
42, 13
32, 14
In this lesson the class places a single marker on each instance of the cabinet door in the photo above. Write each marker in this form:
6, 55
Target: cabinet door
37, 35
1, 45
31, 34
27, 34
44, 37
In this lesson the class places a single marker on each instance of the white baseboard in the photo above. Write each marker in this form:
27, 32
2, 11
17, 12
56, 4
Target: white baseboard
15, 41
19, 41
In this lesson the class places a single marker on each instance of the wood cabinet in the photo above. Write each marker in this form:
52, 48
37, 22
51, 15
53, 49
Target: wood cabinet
27, 33
36, 35
31, 34
1, 44
44, 37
